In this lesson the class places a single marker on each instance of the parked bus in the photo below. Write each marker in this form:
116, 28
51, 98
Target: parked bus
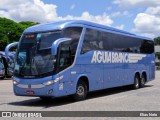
76, 57
7, 63
2, 71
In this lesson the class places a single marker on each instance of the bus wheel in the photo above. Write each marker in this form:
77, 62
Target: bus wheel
81, 91
143, 81
136, 84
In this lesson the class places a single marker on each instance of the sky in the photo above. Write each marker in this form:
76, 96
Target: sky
141, 17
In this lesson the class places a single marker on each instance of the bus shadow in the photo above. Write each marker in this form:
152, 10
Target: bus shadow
37, 102
112, 91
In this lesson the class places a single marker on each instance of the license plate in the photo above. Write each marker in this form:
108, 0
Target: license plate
30, 92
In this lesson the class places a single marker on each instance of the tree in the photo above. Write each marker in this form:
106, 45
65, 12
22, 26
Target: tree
11, 31
28, 23
158, 55
157, 40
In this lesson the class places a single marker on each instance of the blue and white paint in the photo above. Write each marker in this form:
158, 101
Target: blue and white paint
116, 57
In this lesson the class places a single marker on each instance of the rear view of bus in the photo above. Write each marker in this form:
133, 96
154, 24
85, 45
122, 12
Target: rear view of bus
76, 57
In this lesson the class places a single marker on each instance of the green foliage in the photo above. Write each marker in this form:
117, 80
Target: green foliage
158, 54
28, 23
157, 40
11, 31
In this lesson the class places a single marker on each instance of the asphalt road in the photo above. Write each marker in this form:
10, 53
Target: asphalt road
115, 99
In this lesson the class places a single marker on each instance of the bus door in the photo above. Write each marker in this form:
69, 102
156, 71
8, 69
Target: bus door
63, 67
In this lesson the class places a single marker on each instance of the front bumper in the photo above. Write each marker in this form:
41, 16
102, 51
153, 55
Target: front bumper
44, 91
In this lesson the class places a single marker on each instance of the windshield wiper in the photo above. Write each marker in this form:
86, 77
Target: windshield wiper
22, 67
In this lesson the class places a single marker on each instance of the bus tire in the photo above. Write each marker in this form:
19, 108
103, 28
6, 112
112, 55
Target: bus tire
81, 91
136, 84
142, 81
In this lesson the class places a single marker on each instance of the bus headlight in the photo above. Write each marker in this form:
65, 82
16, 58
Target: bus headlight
53, 81
48, 83
15, 82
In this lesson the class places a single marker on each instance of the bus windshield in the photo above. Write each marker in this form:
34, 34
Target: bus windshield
34, 58
34, 54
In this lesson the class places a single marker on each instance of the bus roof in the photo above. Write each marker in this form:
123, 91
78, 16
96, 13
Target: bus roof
63, 24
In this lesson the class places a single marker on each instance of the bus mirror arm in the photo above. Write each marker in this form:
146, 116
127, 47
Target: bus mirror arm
56, 43
8, 47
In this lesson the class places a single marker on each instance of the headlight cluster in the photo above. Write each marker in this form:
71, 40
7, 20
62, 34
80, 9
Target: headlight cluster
15, 82
48, 82
53, 81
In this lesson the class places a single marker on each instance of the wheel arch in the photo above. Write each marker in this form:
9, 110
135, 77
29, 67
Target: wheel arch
137, 73
145, 74
136, 83
85, 79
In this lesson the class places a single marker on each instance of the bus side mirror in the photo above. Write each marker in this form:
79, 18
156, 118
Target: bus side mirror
56, 43
8, 47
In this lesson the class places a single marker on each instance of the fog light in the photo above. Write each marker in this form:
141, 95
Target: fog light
50, 91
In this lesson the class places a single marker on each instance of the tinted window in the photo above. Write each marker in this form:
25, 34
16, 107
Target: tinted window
107, 41
65, 56
67, 49
92, 41
124, 43
147, 47
46, 39
100, 40
74, 33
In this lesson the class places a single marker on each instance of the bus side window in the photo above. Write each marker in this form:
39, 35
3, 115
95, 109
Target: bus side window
147, 47
64, 55
91, 41
107, 42
73, 47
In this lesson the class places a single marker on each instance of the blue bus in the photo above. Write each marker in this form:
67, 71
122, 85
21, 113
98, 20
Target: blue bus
7, 64
76, 57
2, 70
